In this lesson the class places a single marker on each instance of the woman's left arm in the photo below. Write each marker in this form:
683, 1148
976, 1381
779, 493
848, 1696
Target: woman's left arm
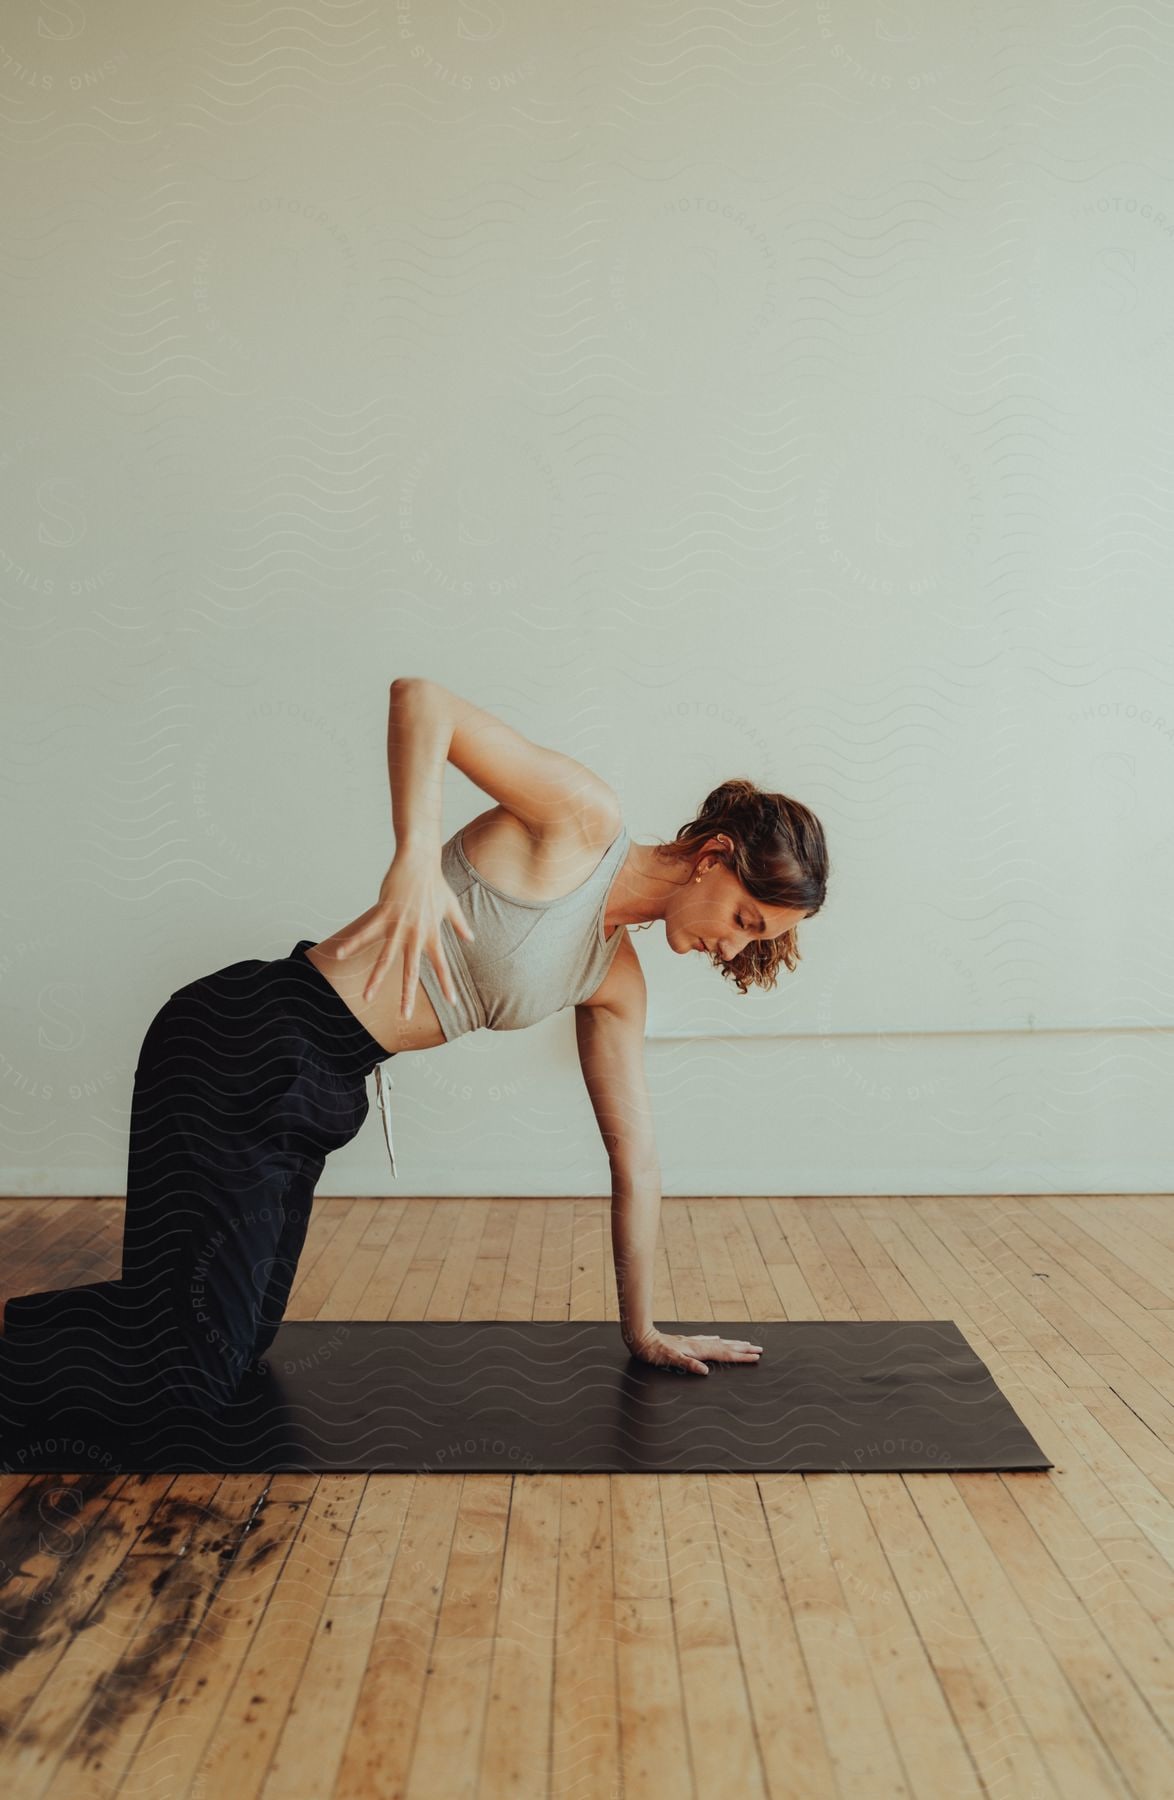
610, 1035
635, 1216
611, 1052
635, 1226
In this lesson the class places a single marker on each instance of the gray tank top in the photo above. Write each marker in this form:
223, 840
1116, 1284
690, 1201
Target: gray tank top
530, 958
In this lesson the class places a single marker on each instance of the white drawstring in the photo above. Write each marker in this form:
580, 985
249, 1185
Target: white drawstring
383, 1111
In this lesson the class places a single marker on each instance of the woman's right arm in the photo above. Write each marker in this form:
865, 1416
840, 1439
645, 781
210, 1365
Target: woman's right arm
546, 789
414, 898
420, 721
428, 726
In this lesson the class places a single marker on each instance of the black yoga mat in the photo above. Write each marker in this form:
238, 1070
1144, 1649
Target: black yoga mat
550, 1395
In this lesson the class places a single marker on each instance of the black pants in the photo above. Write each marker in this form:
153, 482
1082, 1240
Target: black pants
247, 1079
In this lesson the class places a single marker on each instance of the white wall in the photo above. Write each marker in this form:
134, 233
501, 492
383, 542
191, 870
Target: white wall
780, 391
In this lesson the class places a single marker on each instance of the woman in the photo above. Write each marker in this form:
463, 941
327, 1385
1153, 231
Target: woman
249, 1077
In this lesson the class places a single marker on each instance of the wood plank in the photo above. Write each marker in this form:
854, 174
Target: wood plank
723, 1743
588, 1251
236, 1759
1068, 1743
1149, 1213
762, 1217
447, 1298
384, 1724
552, 1297
900, 1296
448, 1742
690, 1299
915, 1707
1145, 1450
520, 1285
78, 1689
758, 1290
1148, 1254
584, 1736
787, 1724
181, 1731
1130, 1490
313, 1738
639, 1557
414, 1297
1090, 1484
655, 1750
345, 1265
380, 1299
1054, 1254
487, 1276
127, 1660
830, 1294
651, 1702
856, 1734
1010, 1318
1088, 1259
723, 1290
317, 1269
1151, 1407
993, 1719
518, 1715
864, 1296
1084, 1320
383, 1226
1097, 1586
1128, 1737
327, 1217
62, 1539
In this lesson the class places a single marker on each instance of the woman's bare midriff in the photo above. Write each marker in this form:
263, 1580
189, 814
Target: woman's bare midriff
501, 849
381, 1014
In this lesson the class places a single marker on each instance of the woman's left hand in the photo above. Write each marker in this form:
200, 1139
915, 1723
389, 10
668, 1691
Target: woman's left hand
665, 1349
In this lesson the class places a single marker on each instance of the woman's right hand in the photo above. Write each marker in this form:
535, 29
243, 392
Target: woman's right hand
414, 900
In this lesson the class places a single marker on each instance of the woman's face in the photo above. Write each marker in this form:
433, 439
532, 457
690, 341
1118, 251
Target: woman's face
716, 916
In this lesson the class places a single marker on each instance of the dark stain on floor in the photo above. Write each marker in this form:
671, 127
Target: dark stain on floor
55, 1516
181, 1610
179, 1563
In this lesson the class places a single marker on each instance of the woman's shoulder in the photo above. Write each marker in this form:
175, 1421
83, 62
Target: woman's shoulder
622, 990
535, 867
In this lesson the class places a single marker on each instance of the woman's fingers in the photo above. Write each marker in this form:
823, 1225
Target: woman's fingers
365, 930
378, 970
411, 977
719, 1349
692, 1355
410, 974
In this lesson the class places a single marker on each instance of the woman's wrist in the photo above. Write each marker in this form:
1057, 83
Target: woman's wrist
422, 846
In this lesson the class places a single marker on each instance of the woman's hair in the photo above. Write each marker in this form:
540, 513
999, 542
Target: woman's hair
780, 857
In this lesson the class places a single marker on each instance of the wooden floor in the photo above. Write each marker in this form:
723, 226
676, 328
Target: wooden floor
721, 1636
